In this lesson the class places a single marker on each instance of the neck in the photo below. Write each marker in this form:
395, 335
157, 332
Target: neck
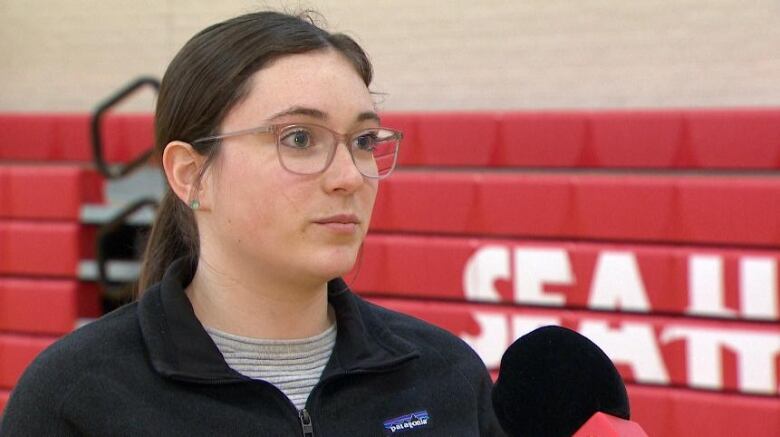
255, 304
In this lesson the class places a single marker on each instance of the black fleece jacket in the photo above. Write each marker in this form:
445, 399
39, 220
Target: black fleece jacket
149, 368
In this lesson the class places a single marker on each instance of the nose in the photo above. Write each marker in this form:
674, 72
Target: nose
342, 174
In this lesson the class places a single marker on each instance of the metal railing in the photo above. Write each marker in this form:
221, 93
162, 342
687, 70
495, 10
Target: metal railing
108, 231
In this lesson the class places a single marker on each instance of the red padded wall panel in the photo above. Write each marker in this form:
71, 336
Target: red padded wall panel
677, 412
522, 204
45, 306
531, 139
649, 139
43, 248
665, 139
648, 208
731, 139
45, 137
128, 136
66, 137
4, 395
401, 203
16, 353
47, 192
626, 207
746, 209
410, 152
734, 139
457, 138
728, 283
725, 355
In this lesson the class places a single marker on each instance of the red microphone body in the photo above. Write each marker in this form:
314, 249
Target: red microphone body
604, 425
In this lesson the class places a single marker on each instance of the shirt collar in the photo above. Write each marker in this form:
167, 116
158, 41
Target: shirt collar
180, 348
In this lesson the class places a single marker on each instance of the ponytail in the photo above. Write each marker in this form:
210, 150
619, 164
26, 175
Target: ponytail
174, 235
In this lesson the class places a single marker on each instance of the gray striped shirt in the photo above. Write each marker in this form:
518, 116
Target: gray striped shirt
293, 366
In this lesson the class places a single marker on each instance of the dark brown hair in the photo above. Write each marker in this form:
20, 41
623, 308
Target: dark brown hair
206, 79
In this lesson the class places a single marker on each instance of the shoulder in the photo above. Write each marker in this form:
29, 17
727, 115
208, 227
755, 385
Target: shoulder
108, 339
412, 327
429, 339
38, 397
453, 357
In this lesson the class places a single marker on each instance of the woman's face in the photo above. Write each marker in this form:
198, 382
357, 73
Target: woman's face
308, 228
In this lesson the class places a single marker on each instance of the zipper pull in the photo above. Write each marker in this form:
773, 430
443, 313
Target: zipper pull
308, 429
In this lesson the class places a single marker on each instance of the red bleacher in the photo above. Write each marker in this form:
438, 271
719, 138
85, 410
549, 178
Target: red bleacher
45, 306
43, 248
676, 412
16, 352
658, 229
421, 267
682, 139
490, 330
65, 137
47, 192
4, 395
45, 179
649, 208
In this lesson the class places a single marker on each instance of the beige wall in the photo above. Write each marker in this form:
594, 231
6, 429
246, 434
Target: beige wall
433, 54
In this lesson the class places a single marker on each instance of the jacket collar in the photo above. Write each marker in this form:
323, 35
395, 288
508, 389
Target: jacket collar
180, 348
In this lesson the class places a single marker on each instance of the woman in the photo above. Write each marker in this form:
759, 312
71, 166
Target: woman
273, 151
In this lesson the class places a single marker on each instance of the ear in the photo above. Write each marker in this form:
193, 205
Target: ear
182, 164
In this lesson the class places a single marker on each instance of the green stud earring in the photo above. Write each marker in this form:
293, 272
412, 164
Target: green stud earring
195, 204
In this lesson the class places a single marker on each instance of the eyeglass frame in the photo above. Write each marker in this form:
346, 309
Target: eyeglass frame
277, 128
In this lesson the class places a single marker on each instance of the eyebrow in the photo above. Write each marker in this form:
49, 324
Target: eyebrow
368, 116
316, 113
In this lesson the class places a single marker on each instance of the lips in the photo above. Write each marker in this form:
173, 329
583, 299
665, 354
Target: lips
347, 219
340, 224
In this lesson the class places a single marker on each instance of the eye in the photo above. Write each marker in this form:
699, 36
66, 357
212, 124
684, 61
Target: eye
297, 138
366, 141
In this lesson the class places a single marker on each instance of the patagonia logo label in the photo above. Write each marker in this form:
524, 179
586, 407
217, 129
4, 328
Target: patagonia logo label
408, 422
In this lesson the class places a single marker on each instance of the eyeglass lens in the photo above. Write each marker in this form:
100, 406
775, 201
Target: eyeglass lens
309, 149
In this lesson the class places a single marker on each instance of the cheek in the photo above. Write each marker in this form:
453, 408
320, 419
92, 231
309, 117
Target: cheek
247, 191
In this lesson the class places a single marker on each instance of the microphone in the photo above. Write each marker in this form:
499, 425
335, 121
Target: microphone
555, 382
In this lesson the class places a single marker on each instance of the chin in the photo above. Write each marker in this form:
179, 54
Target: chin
335, 263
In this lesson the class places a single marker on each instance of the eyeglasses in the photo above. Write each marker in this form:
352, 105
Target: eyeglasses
307, 149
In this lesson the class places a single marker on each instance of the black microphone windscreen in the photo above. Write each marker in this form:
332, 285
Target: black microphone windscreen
552, 380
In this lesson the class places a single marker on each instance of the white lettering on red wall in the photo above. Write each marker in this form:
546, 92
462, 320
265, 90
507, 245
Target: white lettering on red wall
617, 283
643, 346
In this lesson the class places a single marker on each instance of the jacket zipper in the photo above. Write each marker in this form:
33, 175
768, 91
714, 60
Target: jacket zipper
306, 426
303, 415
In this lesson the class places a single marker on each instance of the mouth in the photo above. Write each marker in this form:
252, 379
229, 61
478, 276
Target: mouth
339, 219
340, 223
